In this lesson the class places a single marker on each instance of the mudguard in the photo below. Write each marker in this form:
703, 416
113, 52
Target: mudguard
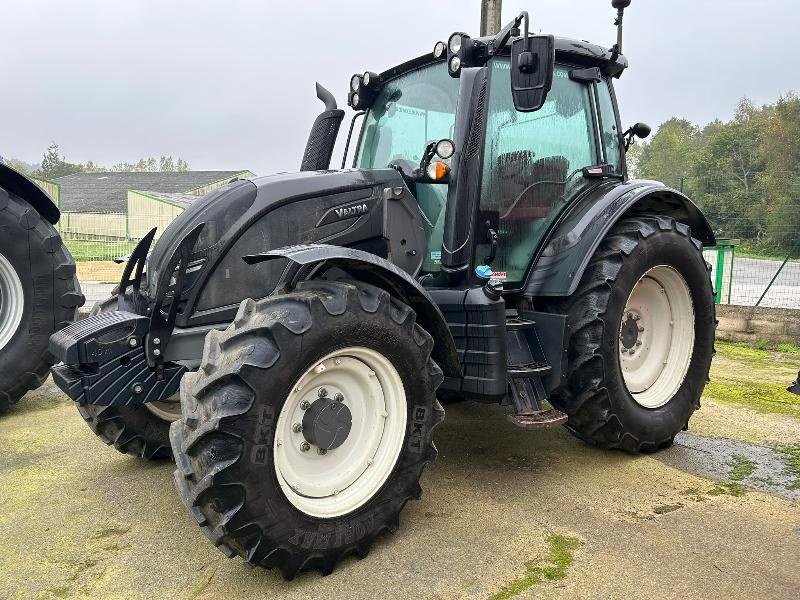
19, 185
572, 242
312, 260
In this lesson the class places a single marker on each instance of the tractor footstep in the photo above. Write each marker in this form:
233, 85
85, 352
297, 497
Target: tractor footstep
542, 419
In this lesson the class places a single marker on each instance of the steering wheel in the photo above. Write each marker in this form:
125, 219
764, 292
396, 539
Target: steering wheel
405, 166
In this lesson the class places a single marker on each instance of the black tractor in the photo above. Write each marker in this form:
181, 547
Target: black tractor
39, 292
486, 244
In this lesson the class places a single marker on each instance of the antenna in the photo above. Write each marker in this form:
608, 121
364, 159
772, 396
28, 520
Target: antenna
620, 5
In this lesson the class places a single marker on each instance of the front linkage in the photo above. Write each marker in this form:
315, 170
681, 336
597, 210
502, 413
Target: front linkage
117, 358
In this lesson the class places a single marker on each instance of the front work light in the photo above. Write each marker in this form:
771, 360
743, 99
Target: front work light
461, 52
363, 89
439, 49
454, 43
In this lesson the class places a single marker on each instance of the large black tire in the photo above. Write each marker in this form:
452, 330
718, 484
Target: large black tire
601, 410
50, 291
223, 446
135, 429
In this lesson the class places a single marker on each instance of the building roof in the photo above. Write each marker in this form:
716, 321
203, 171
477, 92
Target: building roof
108, 192
181, 200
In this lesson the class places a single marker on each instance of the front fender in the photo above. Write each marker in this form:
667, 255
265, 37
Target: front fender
571, 244
19, 185
312, 260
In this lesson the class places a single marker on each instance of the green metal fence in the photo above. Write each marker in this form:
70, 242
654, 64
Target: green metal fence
756, 218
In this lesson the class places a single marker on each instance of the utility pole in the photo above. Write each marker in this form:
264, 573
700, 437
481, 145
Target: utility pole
490, 16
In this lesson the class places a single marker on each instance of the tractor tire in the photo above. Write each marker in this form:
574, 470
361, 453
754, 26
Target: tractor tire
249, 470
641, 337
39, 294
141, 430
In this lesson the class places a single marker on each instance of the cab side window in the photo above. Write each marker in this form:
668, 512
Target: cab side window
533, 162
609, 129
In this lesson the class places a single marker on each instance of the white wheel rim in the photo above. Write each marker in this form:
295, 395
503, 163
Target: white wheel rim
12, 301
168, 409
656, 336
343, 479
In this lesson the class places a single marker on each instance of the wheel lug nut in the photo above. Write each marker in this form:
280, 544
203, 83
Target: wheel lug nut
322, 392
339, 397
305, 447
321, 451
641, 329
638, 343
297, 427
305, 405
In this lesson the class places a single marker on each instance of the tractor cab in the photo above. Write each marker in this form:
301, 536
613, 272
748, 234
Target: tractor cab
525, 165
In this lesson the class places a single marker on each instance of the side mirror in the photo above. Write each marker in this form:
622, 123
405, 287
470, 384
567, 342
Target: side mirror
532, 62
639, 130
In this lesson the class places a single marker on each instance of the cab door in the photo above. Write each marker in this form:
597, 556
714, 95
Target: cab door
532, 165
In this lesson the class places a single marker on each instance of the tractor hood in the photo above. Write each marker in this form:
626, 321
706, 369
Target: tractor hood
254, 216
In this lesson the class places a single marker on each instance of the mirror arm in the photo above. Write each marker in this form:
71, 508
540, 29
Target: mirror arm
502, 37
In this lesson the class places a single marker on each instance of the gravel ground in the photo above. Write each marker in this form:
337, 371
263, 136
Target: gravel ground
81, 520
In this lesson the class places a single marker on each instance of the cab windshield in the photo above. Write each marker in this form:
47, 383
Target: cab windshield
408, 113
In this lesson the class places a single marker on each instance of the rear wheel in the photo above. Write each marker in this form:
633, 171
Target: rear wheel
39, 294
641, 341
307, 427
141, 430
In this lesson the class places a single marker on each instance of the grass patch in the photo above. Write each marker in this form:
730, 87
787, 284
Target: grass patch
729, 488
791, 458
788, 348
756, 395
560, 557
663, 509
741, 467
83, 250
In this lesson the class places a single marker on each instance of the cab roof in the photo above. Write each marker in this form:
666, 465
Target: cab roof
577, 52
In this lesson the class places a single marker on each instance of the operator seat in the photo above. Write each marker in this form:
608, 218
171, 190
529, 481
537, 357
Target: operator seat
536, 188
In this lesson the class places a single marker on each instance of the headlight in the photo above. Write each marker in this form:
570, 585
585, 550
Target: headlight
355, 82
455, 64
439, 49
455, 43
355, 100
365, 78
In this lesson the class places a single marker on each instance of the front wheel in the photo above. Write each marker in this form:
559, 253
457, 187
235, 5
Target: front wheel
642, 325
307, 426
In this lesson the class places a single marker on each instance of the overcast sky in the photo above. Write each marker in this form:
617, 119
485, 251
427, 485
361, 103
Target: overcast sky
230, 84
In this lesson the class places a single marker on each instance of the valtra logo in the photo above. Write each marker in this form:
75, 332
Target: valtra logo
347, 211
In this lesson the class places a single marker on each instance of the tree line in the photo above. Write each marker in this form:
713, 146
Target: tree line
55, 165
743, 173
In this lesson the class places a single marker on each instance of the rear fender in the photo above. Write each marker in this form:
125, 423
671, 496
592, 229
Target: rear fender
19, 185
313, 260
570, 246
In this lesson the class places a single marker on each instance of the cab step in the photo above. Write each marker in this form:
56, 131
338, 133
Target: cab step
534, 369
540, 419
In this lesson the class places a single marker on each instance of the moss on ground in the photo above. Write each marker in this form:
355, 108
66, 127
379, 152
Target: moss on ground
741, 467
560, 557
757, 395
790, 454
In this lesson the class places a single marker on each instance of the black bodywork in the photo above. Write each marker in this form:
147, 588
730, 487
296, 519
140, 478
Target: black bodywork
259, 237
